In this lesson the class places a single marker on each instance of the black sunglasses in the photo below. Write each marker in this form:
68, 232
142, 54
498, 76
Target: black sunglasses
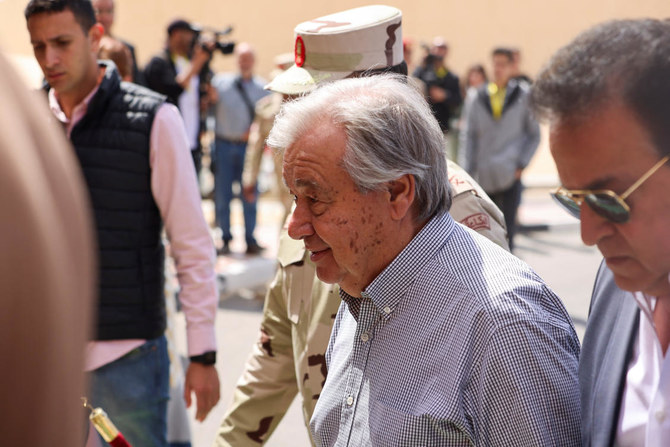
605, 202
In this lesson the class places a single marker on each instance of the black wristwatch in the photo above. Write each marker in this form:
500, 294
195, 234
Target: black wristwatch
208, 358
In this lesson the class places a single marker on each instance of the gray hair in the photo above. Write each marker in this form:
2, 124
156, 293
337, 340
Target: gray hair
623, 61
390, 132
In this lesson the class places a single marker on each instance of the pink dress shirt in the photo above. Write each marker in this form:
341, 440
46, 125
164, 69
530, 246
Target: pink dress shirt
175, 190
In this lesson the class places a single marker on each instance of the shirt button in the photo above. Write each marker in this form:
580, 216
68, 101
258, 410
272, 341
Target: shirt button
387, 310
660, 415
365, 337
350, 400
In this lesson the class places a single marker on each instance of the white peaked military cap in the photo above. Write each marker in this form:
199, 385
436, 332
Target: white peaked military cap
335, 46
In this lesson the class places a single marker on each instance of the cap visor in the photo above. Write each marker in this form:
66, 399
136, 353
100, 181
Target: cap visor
298, 80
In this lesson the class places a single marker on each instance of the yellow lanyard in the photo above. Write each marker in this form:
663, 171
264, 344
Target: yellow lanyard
497, 98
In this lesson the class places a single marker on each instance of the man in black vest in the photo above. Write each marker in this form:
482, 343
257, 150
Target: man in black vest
129, 144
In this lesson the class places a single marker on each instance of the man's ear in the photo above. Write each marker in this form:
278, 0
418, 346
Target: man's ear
401, 195
94, 35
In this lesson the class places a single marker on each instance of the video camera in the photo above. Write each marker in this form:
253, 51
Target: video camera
205, 35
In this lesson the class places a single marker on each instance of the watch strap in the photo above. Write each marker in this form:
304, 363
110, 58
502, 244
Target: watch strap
207, 358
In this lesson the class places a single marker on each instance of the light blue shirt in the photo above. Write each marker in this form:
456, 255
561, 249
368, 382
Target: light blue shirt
232, 114
456, 343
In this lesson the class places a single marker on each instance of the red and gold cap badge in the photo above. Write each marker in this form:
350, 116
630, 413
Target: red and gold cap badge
299, 52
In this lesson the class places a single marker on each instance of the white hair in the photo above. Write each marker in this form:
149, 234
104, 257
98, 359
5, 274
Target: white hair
390, 132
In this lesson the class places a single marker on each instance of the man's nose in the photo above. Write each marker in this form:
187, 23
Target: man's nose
594, 227
299, 224
51, 56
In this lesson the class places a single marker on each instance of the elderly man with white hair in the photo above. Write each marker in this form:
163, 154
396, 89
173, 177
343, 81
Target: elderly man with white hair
299, 310
442, 338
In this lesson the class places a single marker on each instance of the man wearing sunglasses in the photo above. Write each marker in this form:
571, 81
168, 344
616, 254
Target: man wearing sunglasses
607, 99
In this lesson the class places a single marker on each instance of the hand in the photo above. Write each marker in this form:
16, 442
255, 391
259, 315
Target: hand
212, 94
210, 98
437, 94
249, 193
203, 380
201, 55
198, 60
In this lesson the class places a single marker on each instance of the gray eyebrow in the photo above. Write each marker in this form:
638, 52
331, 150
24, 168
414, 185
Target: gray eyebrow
303, 183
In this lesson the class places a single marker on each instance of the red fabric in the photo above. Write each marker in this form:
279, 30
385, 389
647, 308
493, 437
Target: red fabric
119, 441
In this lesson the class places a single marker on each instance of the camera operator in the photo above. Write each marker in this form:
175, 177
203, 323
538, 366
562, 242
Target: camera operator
181, 72
443, 90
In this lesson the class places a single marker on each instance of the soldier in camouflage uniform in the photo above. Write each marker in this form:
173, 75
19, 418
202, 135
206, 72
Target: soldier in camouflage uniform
299, 310
266, 110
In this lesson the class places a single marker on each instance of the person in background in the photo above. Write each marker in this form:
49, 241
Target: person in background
606, 98
129, 144
499, 137
105, 11
181, 72
475, 77
289, 357
237, 95
114, 50
47, 273
408, 52
443, 89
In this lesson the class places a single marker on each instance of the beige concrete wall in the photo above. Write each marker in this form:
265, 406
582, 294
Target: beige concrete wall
472, 27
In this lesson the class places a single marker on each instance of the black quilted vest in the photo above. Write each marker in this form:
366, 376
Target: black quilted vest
112, 145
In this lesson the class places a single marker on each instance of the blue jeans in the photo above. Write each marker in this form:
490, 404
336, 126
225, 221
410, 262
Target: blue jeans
229, 166
134, 392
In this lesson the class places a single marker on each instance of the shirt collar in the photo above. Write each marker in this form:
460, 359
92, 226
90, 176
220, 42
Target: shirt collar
646, 303
388, 288
79, 110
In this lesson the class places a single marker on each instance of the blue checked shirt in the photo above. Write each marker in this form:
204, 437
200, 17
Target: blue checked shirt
455, 343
